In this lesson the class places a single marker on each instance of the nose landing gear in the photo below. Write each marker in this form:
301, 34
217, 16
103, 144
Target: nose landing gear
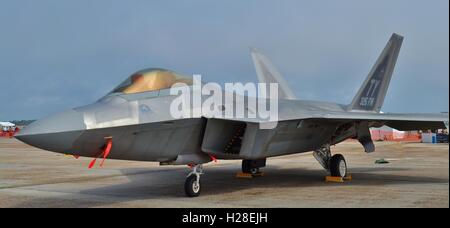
192, 186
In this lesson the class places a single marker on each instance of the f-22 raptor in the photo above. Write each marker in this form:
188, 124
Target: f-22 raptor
133, 123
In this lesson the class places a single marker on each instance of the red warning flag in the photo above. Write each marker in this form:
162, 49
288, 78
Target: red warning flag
105, 152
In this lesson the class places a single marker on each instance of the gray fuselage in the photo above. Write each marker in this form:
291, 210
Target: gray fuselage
142, 129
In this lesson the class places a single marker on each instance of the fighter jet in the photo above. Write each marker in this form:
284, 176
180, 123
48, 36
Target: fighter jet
132, 122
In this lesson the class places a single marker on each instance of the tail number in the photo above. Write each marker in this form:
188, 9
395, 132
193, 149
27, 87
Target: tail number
369, 99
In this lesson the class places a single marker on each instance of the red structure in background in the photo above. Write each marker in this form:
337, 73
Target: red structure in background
10, 133
396, 136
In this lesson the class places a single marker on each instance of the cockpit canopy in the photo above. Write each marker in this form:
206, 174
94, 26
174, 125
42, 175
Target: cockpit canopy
153, 79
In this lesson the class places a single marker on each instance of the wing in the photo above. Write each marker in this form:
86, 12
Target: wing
357, 125
401, 121
337, 126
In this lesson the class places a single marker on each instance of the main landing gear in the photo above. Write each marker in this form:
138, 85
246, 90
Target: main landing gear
252, 166
336, 164
192, 186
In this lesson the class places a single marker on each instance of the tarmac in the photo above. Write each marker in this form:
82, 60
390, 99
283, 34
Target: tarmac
417, 176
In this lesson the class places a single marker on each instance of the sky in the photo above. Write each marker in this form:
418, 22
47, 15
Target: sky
56, 55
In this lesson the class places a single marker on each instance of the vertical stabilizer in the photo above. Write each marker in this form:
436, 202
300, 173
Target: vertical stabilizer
370, 96
267, 73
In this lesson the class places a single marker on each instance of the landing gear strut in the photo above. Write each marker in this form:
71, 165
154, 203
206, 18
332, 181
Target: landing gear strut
192, 186
336, 164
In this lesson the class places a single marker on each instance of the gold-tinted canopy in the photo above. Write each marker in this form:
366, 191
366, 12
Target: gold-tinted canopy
151, 80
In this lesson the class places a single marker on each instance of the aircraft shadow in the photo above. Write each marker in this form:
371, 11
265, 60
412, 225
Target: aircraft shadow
145, 184
219, 180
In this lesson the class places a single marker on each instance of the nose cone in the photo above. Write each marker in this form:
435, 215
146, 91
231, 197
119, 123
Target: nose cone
55, 133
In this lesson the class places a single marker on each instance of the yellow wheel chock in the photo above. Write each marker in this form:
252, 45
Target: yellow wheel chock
338, 179
249, 175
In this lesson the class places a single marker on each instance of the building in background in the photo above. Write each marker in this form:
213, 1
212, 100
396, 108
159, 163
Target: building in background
7, 126
386, 133
8, 129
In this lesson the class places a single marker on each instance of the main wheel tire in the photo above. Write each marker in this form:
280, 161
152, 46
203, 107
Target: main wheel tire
192, 187
338, 166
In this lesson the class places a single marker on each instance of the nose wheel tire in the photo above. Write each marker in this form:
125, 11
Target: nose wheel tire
192, 186
338, 166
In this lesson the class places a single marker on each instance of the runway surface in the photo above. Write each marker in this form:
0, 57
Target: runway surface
417, 176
